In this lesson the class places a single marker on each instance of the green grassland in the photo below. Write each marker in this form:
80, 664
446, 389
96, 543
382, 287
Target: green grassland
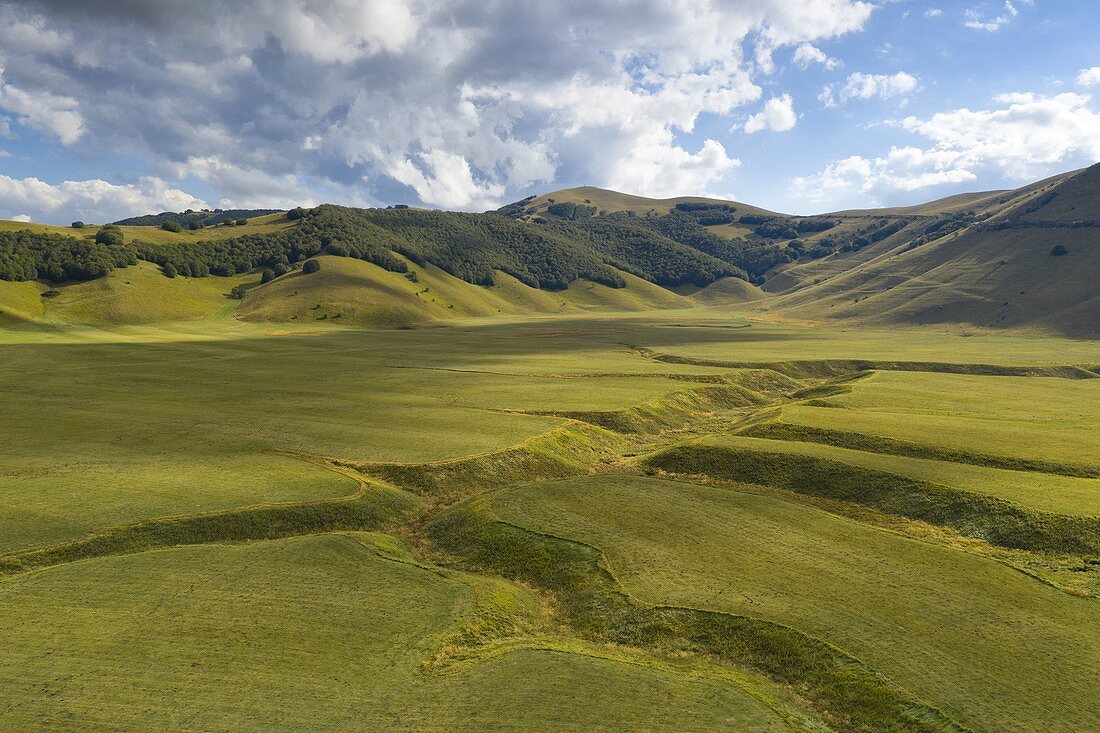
1033, 418
256, 515
215, 629
950, 627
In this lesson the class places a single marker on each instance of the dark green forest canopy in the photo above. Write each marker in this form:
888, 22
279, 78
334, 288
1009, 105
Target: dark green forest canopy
27, 255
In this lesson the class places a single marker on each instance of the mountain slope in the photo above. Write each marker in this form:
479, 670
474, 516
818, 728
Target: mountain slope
1001, 271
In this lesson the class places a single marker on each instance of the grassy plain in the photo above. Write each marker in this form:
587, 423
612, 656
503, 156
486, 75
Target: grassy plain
214, 630
946, 625
1038, 418
108, 423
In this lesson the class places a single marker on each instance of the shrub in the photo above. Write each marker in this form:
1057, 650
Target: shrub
195, 225
280, 269
78, 225
1059, 250
109, 234
238, 292
412, 277
267, 275
241, 222
171, 225
311, 266
170, 270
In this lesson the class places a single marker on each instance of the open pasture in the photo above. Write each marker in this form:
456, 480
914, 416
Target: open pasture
948, 626
213, 629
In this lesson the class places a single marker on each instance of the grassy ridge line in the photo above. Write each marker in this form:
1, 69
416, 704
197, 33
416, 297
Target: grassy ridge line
892, 446
570, 450
847, 693
824, 368
993, 520
671, 411
368, 508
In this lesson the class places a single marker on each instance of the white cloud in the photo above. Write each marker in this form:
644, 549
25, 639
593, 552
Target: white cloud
1017, 140
1089, 77
23, 218
978, 19
661, 169
778, 115
92, 200
868, 86
464, 103
807, 54
42, 111
933, 13
445, 179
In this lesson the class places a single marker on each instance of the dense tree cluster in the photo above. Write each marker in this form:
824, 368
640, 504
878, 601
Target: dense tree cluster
206, 218
27, 255
110, 235
777, 229
571, 211
745, 259
628, 244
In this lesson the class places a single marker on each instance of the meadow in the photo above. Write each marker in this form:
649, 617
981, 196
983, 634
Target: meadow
451, 526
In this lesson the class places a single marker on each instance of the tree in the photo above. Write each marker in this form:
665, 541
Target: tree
311, 266
109, 234
238, 292
195, 225
78, 225
267, 275
241, 222
171, 225
1059, 250
170, 270
280, 269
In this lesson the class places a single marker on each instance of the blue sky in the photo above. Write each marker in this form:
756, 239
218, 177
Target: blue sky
115, 107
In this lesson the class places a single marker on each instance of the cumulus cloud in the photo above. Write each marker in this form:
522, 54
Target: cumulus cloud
933, 13
778, 115
869, 86
1089, 77
92, 200
1016, 139
460, 104
807, 54
43, 111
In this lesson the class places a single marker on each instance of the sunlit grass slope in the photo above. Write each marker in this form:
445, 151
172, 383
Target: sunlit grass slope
610, 201
1037, 418
948, 626
357, 292
215, 630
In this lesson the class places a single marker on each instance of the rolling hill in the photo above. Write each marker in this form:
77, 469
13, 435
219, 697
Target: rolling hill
1006, 268
1027, 258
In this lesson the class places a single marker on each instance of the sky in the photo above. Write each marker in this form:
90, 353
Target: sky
112, 108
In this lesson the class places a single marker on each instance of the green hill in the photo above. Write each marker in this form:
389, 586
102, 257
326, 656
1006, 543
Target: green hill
1002, 268
1026, 258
